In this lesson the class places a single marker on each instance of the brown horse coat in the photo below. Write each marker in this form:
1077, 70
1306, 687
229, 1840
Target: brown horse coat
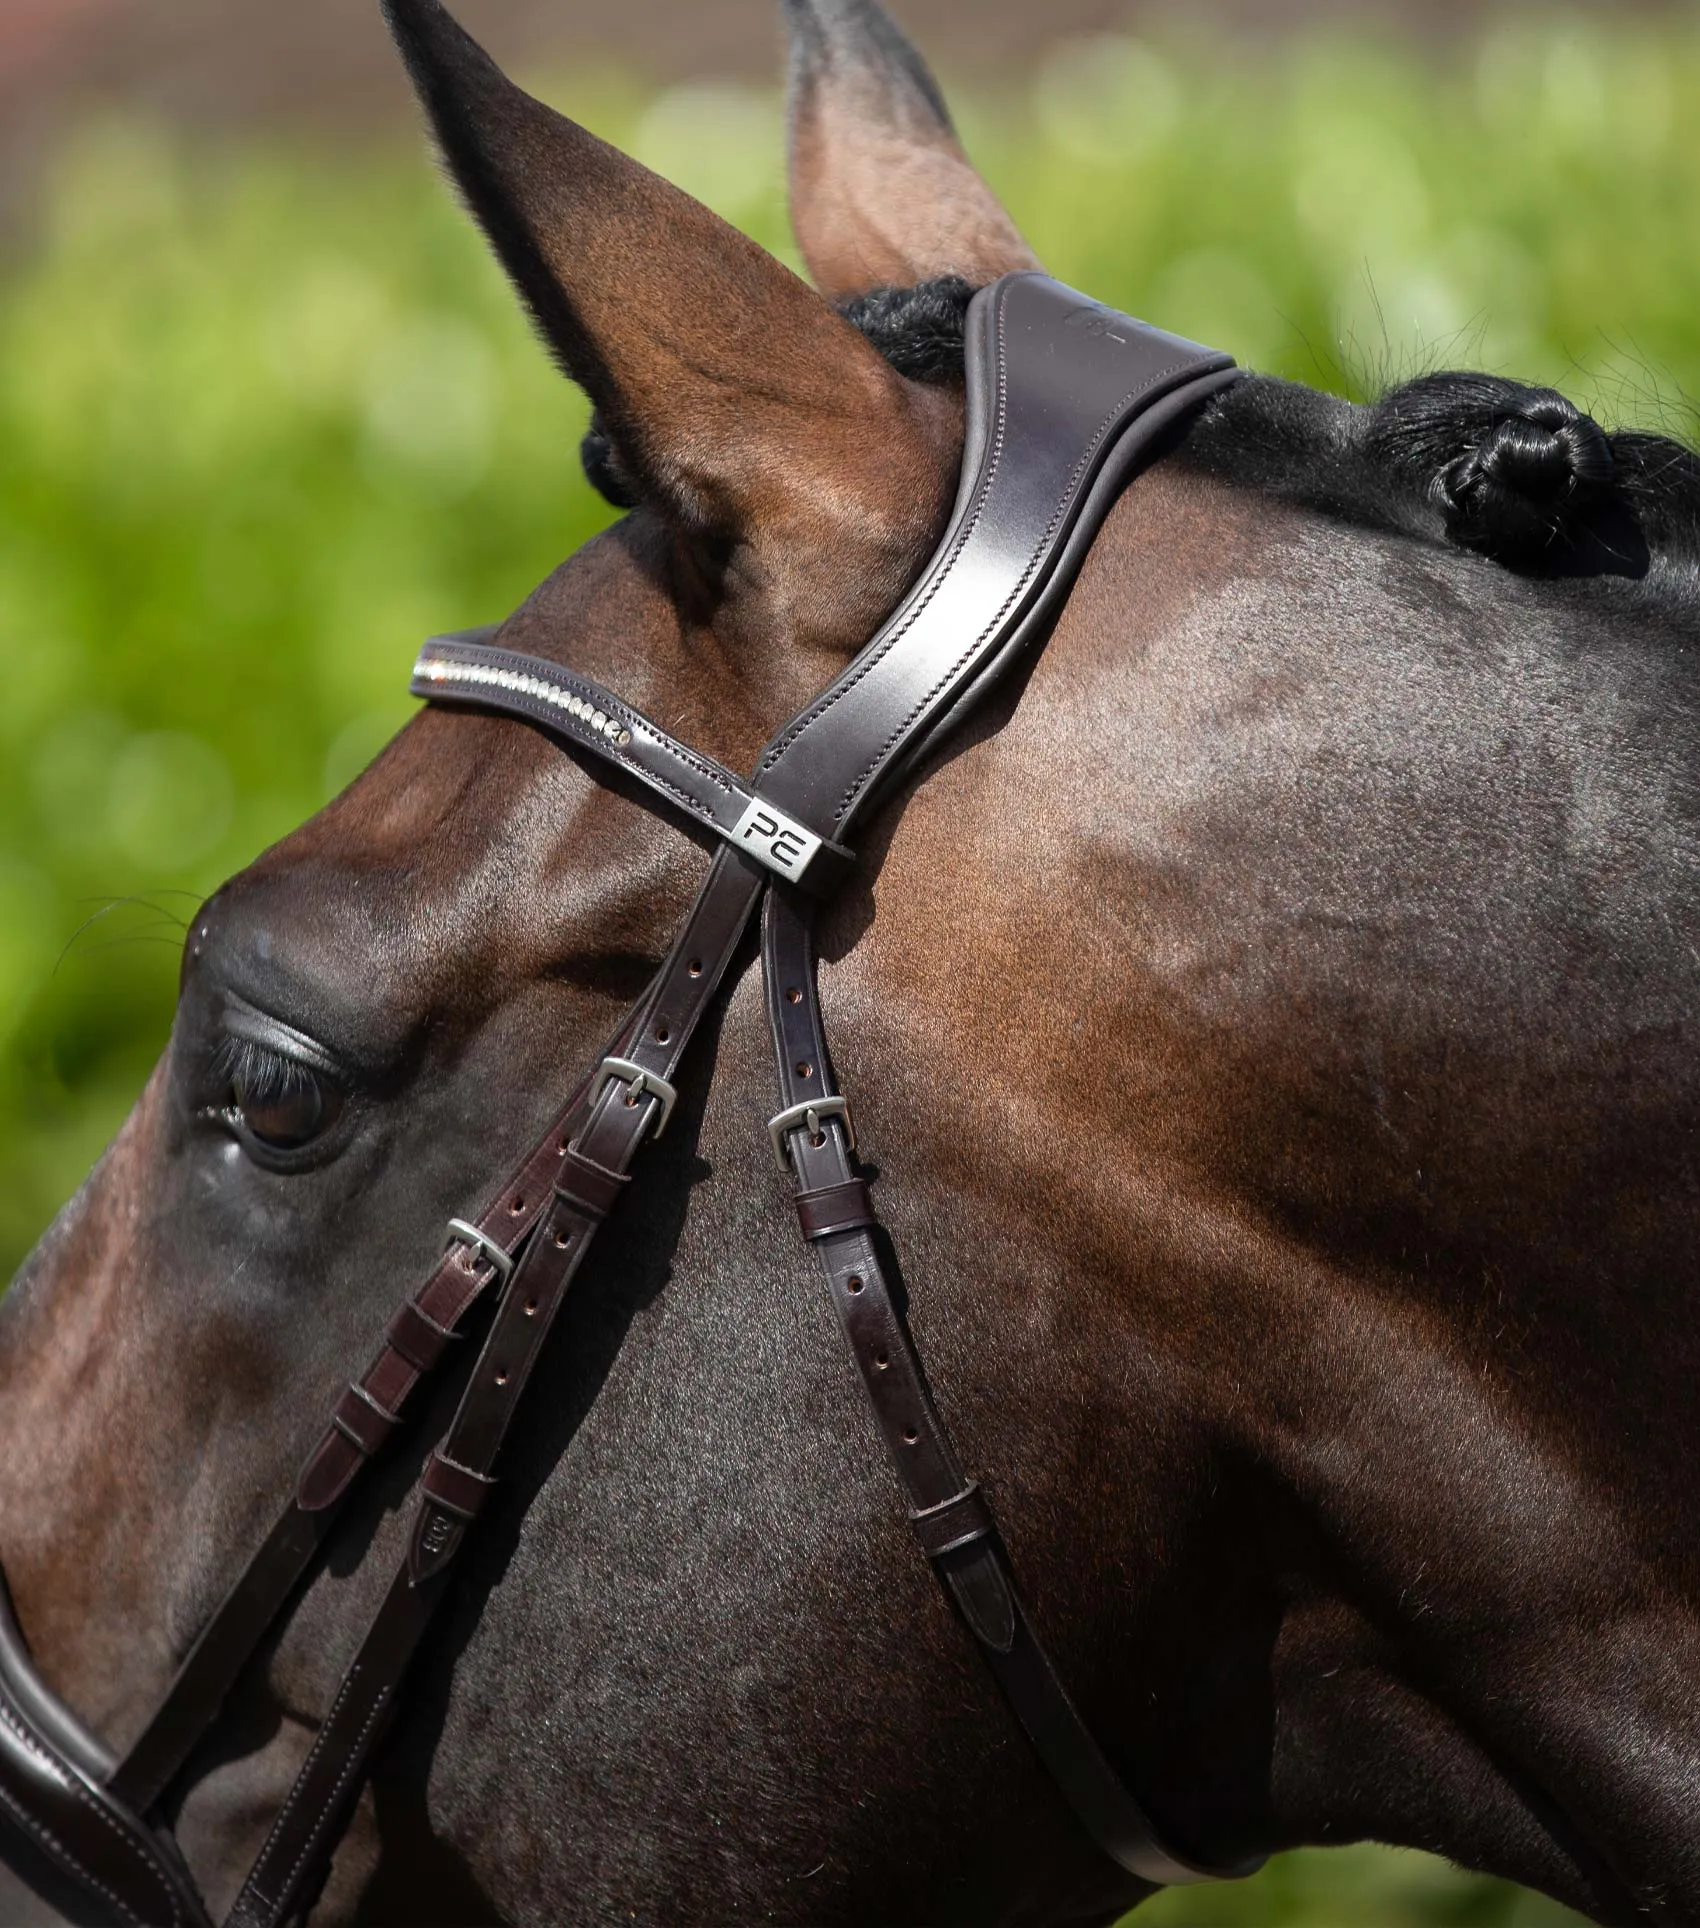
1271, 1027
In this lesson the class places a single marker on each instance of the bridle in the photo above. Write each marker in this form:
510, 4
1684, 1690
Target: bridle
1065, 398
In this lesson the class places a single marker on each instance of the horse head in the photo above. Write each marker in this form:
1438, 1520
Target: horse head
1270, 1022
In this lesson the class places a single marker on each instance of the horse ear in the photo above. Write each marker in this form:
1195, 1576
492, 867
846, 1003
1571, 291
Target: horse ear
882, 194
741, 404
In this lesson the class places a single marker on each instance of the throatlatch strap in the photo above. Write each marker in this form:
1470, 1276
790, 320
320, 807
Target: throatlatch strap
949, 1514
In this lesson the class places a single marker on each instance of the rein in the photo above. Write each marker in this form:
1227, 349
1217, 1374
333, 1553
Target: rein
1065, 398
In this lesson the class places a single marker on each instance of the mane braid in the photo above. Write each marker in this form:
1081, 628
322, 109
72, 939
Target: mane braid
1516, 473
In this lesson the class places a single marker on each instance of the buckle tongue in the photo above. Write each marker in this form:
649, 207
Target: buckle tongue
483, 1247
637, 1081
809, 1114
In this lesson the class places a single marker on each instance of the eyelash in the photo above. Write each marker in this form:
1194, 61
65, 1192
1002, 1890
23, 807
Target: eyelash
257, 1075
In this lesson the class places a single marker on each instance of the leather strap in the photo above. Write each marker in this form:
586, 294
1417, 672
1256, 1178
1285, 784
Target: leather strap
1020, 528
465, 669
1065, 397
605, 1135
62, 1826
415, 1343
954, 1526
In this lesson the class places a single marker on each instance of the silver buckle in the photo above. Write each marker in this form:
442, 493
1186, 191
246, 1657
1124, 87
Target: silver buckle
637, 1081
483, 1246
809, 1114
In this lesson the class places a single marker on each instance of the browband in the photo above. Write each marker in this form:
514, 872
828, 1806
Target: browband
465, 668
1065, 398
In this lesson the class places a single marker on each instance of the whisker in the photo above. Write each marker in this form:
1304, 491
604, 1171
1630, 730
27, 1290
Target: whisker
145, 898
138, 937
162, 914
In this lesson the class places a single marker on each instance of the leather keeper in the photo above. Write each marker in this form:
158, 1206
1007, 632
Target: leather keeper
456, 1489
588, 1187
954, 1523
836, 1208
362, 1421
418, 1337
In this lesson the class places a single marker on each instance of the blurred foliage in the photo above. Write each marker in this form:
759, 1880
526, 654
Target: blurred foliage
1357, 1887
267, 418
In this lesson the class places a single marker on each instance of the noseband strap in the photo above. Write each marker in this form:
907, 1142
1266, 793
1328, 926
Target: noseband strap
1065, 399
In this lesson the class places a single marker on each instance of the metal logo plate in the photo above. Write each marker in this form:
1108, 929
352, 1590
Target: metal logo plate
775, 839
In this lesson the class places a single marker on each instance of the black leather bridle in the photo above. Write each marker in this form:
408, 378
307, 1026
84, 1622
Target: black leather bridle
1065, 398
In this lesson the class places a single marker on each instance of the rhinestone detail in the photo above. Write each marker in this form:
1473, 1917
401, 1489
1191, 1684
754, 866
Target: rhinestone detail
438, 670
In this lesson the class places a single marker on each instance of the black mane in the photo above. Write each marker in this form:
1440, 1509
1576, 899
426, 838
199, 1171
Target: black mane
1516, 473
1477, 462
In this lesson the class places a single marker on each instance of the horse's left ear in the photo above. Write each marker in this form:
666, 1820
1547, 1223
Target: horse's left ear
882, 194
784, 451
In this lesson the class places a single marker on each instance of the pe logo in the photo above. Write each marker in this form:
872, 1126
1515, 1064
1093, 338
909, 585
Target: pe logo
775, 839
1105, 323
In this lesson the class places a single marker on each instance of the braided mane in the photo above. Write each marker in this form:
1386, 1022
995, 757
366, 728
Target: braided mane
1515, 473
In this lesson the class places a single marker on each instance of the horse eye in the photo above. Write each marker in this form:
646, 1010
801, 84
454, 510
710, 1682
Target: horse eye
289, 1119
276, 1101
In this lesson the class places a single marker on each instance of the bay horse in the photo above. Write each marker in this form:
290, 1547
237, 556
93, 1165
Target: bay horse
1273, 1028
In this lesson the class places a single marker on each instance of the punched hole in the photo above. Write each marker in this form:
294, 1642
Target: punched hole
817, 1139
563, 1239
853, 1284
695, 967
804, 1068
517, 1207
631, 1101
531, 1308
793, 996
501, 1375
910, 1435
662, 1034
561, 1149
881, 1361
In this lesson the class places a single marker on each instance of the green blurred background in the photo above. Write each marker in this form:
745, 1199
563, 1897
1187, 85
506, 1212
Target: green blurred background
268, 416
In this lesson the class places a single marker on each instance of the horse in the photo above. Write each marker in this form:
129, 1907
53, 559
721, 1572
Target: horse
1271, 1025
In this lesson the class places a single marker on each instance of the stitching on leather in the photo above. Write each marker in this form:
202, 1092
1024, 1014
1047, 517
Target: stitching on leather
639, 724
683, 753
825, 702
63, 1855
58, 1848
353, 1763
1033, 562
252, 1884
535, 707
